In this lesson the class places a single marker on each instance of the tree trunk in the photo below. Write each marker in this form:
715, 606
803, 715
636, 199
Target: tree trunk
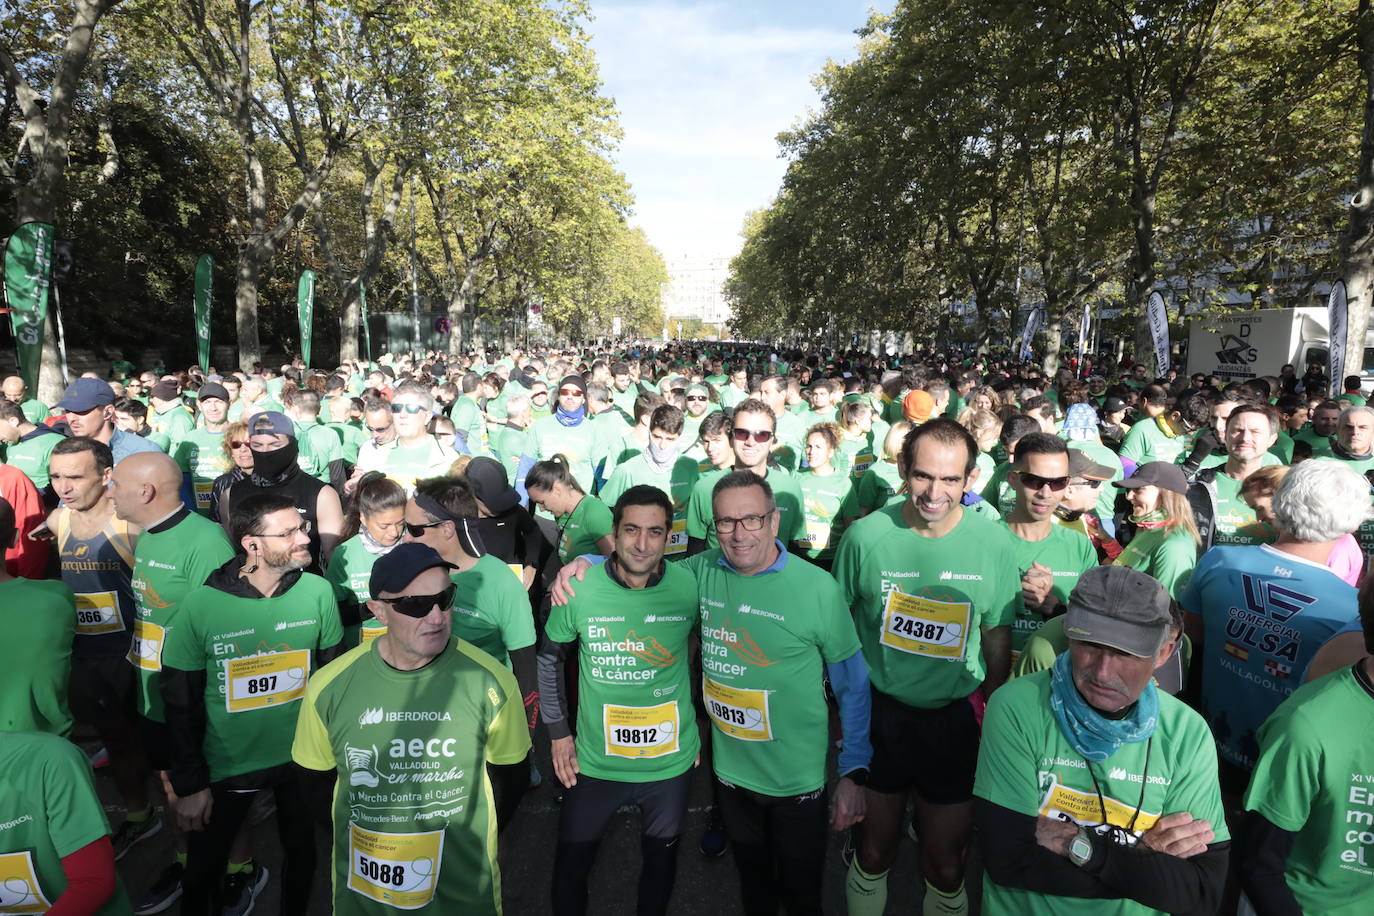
1357, 245
1054, 340
246, 307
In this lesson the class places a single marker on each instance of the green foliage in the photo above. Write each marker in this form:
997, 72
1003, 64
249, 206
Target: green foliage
993, 154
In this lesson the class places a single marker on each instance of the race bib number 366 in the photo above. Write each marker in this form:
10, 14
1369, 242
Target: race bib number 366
96, 613
925, 626
398, 869
641, 731
265, 680
19, 890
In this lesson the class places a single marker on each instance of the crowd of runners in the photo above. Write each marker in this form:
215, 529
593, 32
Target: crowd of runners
1104, 633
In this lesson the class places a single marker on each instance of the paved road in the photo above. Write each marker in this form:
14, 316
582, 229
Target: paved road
705, 887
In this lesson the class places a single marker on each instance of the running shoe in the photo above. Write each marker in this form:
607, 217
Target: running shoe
714, 842
166, 890
241, 890
131, 833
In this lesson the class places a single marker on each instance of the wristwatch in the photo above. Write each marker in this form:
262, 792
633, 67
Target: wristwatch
1081, 847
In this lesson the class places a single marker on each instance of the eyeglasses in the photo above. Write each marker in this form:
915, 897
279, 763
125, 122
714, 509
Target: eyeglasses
418, 531
696, 397
758, 435
237, 443
418, 606
1085, 482
290, 533
570, 392
750, 522
409, 408
379, 429
1036, 482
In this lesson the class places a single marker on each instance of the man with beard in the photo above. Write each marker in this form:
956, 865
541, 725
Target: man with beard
234, 668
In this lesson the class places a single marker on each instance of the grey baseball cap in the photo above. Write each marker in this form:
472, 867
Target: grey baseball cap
1119, 607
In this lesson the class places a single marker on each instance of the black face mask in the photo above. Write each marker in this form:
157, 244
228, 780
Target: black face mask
271, 465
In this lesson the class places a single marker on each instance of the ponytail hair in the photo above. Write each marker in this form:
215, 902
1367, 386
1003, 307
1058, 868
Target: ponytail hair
544, 474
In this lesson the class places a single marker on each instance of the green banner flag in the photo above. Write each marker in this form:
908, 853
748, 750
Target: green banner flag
28, 275
305, 310
367, 334
205, 267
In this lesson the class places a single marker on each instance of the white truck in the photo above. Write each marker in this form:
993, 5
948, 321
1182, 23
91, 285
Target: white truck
1245, 344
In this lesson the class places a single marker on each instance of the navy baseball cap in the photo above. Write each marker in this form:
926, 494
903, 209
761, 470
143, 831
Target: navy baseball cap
395, 570
86, 394
271, 422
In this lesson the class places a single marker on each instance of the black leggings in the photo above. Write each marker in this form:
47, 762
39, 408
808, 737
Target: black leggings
779, 848
207, 851
587, 807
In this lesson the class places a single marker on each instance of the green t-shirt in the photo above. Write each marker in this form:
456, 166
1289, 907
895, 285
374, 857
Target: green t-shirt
827, 502
168, 563
879, 484
1026, 765
31, 454
407, 464
791, 434
317, 446
919, 603
49, 809
507, 444
1235, 521
786, 491
467, 419
999, 491
580, 530
491, 609
635, 718
414, 818
348, 572
1313, 779
201, 455
351, 439
548, 437
1166, 554
39, 623
677, 482
170, 425
1147, 442
764, 640
35, 411
1068, 554
258, 655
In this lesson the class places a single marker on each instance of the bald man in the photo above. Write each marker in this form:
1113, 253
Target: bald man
176, 553
16, 390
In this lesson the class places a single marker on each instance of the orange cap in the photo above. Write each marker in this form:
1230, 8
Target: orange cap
917, 406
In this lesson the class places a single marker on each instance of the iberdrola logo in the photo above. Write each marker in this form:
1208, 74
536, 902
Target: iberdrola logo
370, 716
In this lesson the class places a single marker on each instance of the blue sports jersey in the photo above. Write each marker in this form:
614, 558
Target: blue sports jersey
1265, 614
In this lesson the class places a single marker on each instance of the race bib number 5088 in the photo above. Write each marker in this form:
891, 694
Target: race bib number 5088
925, 626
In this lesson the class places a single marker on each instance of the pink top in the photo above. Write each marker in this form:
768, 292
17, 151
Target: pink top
1346, 560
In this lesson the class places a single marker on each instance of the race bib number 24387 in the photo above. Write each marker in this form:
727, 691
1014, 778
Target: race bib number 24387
925, 626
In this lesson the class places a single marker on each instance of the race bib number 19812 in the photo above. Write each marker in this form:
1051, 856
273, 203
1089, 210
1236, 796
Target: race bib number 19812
925, 626
641, 731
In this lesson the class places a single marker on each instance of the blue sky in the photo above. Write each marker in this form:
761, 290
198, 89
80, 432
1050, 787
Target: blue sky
703, 90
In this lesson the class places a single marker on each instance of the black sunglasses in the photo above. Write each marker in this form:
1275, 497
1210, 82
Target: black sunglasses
420, 605
418, 531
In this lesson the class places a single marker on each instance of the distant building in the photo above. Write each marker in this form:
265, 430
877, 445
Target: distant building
696, 289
